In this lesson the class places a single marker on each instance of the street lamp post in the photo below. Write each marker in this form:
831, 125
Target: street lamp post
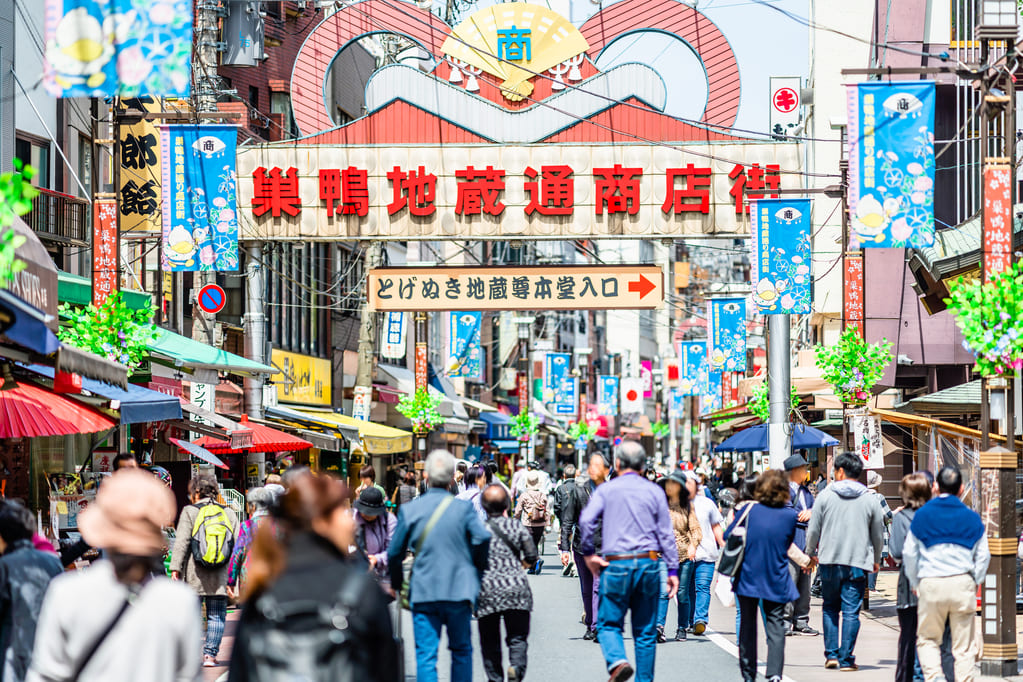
582, 360
524, 324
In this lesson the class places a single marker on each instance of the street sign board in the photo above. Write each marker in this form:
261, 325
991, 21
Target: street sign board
567, 287
212, 299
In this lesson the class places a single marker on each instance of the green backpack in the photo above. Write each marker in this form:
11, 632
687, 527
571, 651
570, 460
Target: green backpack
212, 536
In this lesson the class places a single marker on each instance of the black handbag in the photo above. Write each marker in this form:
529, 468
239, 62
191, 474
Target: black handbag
730, 561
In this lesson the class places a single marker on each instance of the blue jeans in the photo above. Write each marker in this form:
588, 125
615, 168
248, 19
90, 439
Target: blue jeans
842, 590
427, 620
216, 618
699, 591
685, 605
629, 585
662, 602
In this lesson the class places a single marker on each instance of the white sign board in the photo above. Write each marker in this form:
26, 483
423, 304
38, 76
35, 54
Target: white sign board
868, 442
786, 105
361, 402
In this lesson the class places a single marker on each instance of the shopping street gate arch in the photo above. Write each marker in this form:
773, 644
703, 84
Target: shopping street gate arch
515, 133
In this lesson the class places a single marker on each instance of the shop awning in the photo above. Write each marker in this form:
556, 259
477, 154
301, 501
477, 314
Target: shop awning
77, 290
215, 426
85, 364
508, 447
198, 451
405, 381
455, 425
482, 408
28, 410
26, 325
183, 353
264, 439
136, 404
955, 401
497, 424
376, 439
319, 440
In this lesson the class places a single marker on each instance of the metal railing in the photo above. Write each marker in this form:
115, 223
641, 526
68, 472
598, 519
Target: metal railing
60, 217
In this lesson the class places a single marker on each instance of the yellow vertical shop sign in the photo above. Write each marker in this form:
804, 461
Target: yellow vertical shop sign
306, 381
138, 193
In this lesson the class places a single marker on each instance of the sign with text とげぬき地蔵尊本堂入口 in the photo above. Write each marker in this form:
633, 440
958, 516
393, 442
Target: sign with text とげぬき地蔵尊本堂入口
579, 287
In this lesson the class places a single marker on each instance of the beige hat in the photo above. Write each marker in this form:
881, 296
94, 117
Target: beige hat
131, 509
533, 479
874, 480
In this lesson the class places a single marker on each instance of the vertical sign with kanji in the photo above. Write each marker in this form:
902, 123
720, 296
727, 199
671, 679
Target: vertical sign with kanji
726, 334
691, 357
997, 219
393, 344
646, 373
607, 395
852, 287
522, 386
780, 260
422, 361
104, 250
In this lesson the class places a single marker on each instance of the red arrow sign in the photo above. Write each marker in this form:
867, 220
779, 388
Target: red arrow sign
643, 286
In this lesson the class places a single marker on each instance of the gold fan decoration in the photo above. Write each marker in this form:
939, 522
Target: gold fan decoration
498, 38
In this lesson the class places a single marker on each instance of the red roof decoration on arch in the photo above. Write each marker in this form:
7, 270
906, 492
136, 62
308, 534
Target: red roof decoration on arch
410, 118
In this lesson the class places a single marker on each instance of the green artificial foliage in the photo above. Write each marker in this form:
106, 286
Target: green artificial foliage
524, 426
421, 409
583, 430
852, 366
16, 195
113, 330
660, 429
989, 316
759, 404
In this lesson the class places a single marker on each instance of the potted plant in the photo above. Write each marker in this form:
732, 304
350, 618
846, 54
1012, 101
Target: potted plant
988, 315
852, 366
112, 330
524, 426
421, 409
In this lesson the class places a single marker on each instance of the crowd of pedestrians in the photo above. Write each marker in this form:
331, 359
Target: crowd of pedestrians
322, 573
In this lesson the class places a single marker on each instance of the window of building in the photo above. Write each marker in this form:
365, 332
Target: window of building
280, 103
298, 291
35, 152
254, 96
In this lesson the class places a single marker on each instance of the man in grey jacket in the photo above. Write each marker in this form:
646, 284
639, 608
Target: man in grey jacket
848, 529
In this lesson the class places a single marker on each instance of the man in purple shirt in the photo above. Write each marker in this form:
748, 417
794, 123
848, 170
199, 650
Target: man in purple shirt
636, 533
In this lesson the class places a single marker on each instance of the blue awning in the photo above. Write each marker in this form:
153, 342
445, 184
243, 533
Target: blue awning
137, 405
508, 447
25, 325
497, 424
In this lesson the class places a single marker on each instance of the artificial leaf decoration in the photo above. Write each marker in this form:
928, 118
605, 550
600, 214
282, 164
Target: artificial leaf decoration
852, 366
760, 404
660, 429
583, 430
421, 409
112, 330
524, 426
989, 317
16, 195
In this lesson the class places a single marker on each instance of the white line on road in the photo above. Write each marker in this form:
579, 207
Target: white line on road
724, 644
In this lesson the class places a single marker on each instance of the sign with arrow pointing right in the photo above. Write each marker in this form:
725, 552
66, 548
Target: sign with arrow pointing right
560, 287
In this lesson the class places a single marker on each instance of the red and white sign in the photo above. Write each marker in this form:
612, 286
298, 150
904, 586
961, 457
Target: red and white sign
211, 299
422, 361
104, 250
852, 286
523, 390
632, 395
785, 105
997, 219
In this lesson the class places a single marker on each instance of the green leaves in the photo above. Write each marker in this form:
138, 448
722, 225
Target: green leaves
16, 195
113, 330
421, 409
989, 317
660, 429
759, 404
524, 426
582, 430
852, 366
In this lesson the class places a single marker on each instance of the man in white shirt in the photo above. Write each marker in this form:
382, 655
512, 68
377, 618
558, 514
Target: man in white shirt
706, 555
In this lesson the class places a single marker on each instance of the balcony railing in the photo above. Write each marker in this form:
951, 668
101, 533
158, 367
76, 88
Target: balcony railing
60, 217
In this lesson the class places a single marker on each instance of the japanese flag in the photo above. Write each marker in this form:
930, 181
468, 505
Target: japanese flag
632, 395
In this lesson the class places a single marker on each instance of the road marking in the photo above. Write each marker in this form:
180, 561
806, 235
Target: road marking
726, 645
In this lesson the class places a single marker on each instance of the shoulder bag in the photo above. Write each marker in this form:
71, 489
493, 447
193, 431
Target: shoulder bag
409, 563
730, 561
504, 538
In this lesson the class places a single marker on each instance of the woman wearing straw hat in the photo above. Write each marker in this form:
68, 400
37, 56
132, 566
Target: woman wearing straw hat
531, 509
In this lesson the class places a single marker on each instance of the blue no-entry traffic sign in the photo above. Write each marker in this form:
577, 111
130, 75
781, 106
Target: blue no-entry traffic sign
212, 299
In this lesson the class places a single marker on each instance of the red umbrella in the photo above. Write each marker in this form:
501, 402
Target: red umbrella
28, 411
264, 439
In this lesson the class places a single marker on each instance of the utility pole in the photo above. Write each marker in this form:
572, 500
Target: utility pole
254, 324
524, 326
779, 430
422, 329
207, 85
367, 342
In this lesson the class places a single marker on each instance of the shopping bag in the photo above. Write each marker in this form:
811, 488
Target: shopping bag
723, 590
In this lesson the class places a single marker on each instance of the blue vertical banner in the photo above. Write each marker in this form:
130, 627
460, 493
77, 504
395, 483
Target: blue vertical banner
676, 407
891, 164
392, 345
607, 395
710, 398
691, 357
200, 201
559, 386
118, 48
780, 256
726, 335
464, 352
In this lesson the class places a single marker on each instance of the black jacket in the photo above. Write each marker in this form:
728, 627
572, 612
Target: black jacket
571, 509
317, 573
25, 573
